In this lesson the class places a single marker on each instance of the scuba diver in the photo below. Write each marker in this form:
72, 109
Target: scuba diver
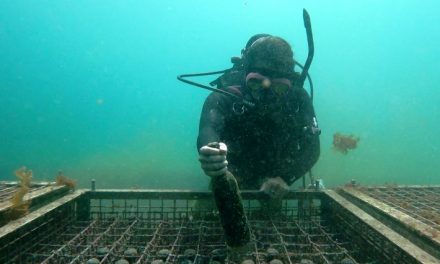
266, 146
259, 123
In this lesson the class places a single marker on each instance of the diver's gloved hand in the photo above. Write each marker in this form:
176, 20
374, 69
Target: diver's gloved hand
212, 158
276, 188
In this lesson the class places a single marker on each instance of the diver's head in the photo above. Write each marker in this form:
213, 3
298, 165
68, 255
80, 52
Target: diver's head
270, 56
252, 40
269, 67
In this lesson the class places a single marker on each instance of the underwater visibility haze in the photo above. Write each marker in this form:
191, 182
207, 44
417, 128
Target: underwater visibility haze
90, 88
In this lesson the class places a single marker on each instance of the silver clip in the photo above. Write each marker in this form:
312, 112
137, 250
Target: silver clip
239, 111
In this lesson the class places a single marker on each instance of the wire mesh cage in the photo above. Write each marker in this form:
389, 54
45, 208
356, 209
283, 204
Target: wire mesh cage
410, 210
420, 202
153, 226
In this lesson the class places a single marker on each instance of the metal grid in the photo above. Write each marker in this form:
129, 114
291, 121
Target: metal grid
153, 228
180, 242
421, 203
412, 211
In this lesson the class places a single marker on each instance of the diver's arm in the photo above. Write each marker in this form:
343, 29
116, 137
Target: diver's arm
307, 158
212, 120
212, 153
291, 170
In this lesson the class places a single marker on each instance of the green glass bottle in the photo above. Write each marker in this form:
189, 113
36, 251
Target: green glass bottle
231, 211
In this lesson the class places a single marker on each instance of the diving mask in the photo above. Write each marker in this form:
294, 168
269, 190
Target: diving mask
257, 82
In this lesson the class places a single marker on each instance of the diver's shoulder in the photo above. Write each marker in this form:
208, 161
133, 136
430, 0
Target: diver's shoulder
219, 100
301, 95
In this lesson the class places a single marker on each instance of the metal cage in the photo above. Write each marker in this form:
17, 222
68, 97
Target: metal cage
178, 226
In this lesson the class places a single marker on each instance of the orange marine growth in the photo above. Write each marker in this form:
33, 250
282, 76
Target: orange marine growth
343, 143
19, 206
63, 180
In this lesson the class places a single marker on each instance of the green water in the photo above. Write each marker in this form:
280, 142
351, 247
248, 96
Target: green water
89, 87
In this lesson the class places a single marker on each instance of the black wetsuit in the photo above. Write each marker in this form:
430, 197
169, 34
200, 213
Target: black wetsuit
262, 146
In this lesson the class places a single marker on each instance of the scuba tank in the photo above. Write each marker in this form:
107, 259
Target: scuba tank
230, 207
